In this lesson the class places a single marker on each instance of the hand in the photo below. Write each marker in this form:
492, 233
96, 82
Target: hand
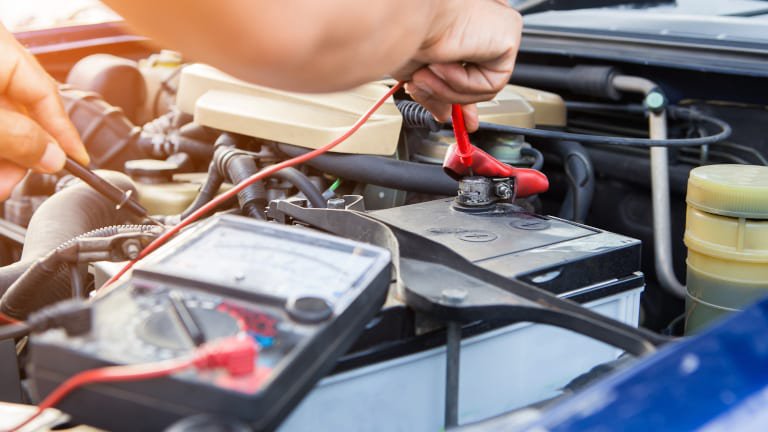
467, 57
35, 131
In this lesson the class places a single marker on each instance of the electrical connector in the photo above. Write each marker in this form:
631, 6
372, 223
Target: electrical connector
236, 354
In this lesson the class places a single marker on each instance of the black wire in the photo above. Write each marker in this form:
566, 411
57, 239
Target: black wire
674, 112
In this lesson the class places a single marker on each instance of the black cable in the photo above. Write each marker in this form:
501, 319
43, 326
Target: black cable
301, 182
38, 286
379, 170
675, 112
210, 188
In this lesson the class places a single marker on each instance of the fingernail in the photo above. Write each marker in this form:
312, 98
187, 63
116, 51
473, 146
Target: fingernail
53, 159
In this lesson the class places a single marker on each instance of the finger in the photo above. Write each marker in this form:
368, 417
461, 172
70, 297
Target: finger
10, 175
426, 80
471, 120
24, 81
26, 144
441, 110
471, 78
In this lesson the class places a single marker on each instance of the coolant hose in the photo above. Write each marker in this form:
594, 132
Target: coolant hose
73, 211
586, 80
382, 171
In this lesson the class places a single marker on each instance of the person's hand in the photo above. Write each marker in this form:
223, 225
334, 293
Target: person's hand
35, 131
466, 58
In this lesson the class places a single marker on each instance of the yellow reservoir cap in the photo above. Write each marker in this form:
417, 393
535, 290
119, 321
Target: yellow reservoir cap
730, 190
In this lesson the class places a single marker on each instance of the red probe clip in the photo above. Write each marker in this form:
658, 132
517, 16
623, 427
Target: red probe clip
463, 159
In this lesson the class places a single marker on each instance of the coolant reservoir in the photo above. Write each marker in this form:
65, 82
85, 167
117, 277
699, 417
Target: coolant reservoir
222, 102
727, 238
161, 190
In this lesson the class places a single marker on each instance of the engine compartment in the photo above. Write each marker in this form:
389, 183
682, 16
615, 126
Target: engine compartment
180, 134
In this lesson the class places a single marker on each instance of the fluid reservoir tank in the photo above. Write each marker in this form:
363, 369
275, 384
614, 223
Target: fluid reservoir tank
727, 238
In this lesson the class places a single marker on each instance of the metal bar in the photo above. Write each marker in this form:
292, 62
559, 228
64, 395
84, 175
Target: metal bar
662, 226
452, 358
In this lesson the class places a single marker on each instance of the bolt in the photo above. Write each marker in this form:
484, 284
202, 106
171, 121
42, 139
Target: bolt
453, 296
131, 249
337, 203
503, 190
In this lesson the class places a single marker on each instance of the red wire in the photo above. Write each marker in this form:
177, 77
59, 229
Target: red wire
5, 319
266, 172
108, 374
464, 148
236, 355
159, 369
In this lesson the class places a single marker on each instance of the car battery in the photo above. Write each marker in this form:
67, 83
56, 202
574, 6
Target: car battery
394, 377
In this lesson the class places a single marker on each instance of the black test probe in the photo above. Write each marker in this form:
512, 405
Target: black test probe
113, 193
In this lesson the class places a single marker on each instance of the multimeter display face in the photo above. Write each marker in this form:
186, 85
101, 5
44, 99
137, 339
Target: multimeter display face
251, 260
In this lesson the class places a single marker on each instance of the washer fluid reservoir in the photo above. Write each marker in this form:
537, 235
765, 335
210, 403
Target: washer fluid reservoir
727, 238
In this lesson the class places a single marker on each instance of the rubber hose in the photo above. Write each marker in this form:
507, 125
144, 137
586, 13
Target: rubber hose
382, 171
252, 199
26, 294
198, 132
207, 192
198, 150
416, 116
581, 178
301, 182
238, 166
588, 80
538, 158
75, 210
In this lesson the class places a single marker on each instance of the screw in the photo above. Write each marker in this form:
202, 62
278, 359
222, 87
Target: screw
131, 249
337, 203
453, 296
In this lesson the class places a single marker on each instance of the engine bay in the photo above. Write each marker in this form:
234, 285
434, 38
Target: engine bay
366, 277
